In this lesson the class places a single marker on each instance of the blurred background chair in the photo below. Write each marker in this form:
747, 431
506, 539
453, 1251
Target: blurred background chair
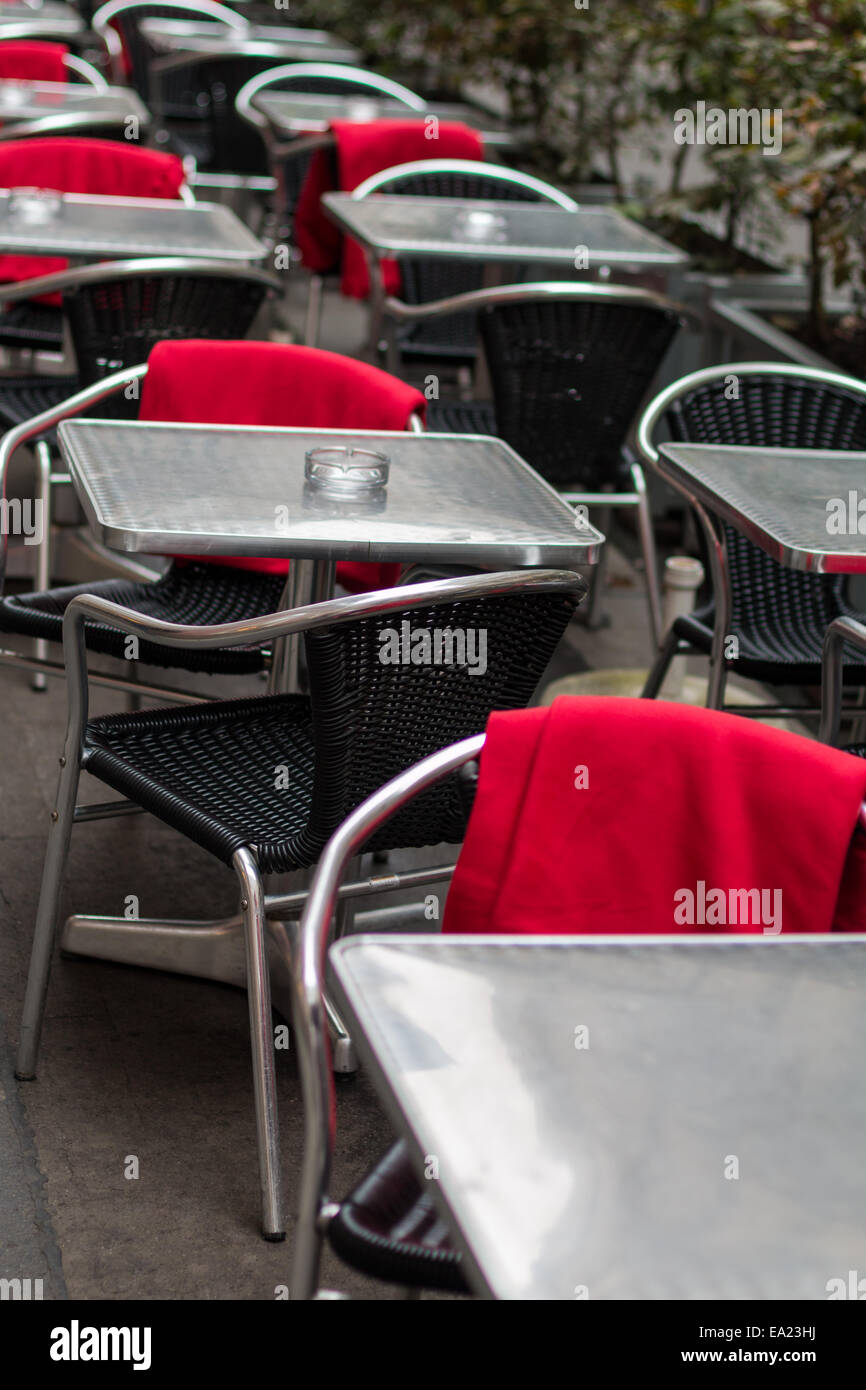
119, 22
289, 158
450, 338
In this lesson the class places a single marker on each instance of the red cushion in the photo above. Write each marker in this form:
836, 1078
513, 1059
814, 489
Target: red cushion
643, 816
104, 167
29, 61
275, 384
364, 149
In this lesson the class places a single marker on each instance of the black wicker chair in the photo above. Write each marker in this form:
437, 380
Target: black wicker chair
119, 26
208, 770
570, 365
389, 1226
451, 338
778, 615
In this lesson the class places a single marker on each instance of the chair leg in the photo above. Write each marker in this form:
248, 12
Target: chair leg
659, 668
262, 1042
648, 545
47, 914
313, 321
43, 552
594, 616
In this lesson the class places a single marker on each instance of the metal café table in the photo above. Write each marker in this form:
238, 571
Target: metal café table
87, 227
291, 113
779, 499
240, 490
618, 1118
490, 230
282, 42
28, 101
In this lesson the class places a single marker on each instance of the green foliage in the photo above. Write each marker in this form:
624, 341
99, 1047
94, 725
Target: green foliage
581, 80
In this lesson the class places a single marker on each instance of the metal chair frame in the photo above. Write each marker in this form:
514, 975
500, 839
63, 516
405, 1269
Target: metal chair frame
310, 1019
86, 71
397, 311
841, 632
713, 532
255, 905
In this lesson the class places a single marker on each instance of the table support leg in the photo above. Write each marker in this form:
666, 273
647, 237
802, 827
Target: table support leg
309, 581
215, 951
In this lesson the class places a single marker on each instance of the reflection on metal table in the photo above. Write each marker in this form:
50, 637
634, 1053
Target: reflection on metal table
782, 499
488, 230
284, 42
699, 1140
28, 101
449, 498
89, 227
300, 113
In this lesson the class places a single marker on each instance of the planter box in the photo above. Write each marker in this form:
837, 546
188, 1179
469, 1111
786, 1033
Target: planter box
738, 331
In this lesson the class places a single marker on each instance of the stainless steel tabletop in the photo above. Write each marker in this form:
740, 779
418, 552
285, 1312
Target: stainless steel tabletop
284, 41
295, 113
28, 101
707, 1143
223, 490
484, 229
782, 499
90, 227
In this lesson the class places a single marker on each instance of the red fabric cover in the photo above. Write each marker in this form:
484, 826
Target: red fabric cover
275, 384
25, 60
104, 167
363, 149
675, 797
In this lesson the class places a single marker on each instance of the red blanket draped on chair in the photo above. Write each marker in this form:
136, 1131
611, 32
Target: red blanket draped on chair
603, 815
28, 60
364, 149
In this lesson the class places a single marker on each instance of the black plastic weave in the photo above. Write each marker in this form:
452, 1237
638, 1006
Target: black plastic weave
390, 1228
190, 593
214, 771
568, 378
116, 322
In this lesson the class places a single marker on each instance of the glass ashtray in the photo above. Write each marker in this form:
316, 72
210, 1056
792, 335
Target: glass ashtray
35, 206
13, 94
479, 224
346, 471
362, 110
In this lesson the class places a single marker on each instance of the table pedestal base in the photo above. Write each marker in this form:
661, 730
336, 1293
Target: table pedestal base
215, 951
